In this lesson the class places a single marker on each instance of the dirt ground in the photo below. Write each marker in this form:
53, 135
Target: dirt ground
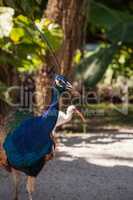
91, 166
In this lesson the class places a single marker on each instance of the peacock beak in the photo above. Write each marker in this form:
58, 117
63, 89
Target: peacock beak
80, 115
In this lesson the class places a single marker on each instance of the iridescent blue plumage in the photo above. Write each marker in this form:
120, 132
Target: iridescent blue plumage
31, 141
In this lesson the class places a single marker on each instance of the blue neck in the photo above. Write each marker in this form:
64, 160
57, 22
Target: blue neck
53, 107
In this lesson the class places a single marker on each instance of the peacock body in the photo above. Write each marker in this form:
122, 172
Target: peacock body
27, 145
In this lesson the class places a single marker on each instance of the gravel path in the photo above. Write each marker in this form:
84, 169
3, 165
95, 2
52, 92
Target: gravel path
87, 167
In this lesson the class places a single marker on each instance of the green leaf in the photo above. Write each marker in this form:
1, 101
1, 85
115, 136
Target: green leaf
77, 57
54, 40
55, 30
23, 19
17, 34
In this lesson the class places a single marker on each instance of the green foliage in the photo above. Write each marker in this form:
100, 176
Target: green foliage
26, 48
103, 16
122, 32
77, 57
16, 34
116, 29
122, 63
93, 67
31, 8
116, 25
21, 46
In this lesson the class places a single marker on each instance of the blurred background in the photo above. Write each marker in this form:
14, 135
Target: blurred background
93, 42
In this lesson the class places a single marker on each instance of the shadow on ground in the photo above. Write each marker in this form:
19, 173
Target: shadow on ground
79, 180
101, 137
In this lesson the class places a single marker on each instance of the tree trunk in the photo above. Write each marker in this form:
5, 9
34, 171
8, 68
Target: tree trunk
70, 14
43, 91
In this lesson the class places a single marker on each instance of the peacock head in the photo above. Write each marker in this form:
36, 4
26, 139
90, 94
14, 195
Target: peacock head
62, 84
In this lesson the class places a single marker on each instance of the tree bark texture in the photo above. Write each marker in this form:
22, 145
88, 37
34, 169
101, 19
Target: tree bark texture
70, 14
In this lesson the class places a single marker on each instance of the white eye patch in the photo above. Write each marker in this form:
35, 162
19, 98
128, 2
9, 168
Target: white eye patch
58, 83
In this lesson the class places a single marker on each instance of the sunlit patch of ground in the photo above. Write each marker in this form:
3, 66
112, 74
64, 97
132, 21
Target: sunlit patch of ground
104, 149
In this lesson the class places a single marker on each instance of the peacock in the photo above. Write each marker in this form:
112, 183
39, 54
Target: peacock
27, 146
